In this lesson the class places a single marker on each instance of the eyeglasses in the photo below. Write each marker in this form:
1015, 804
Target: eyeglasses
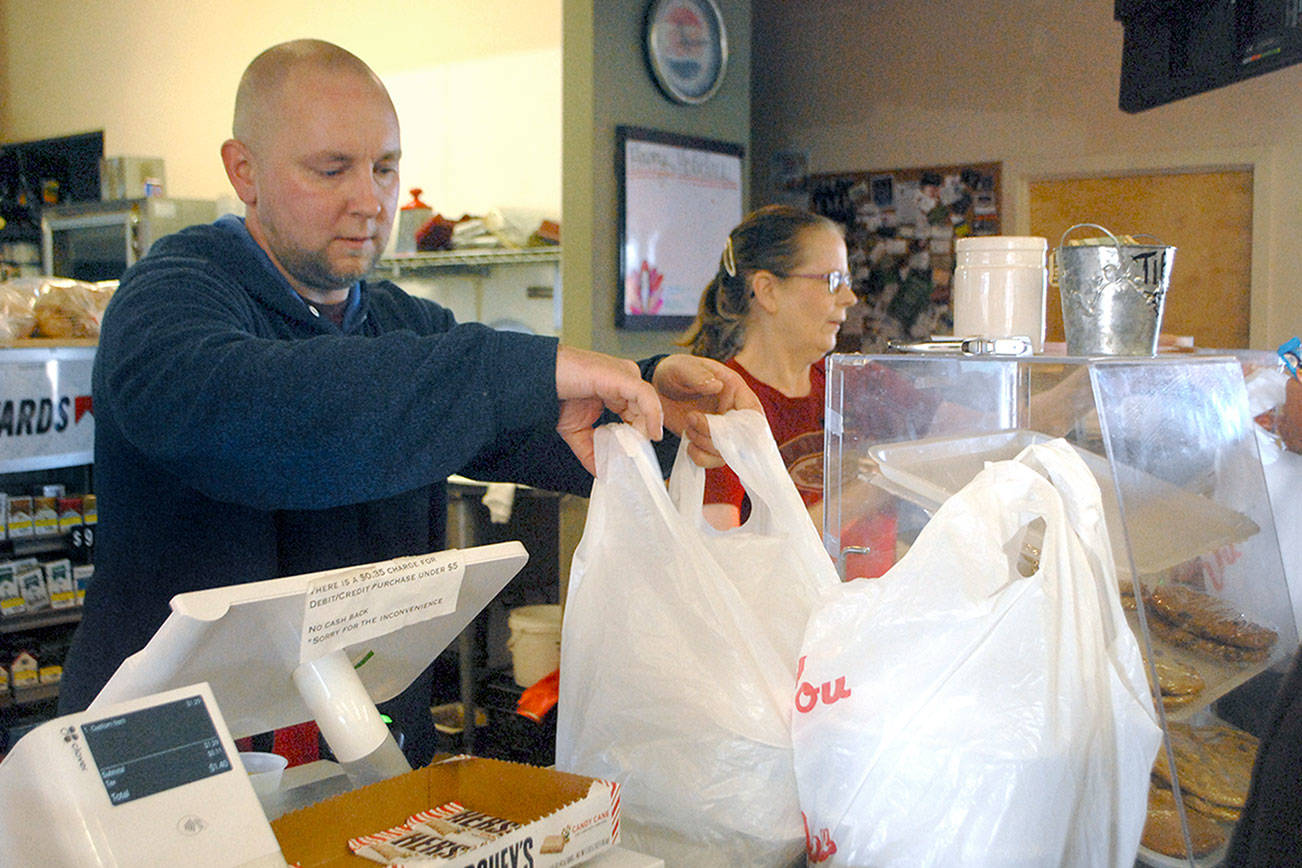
835, 280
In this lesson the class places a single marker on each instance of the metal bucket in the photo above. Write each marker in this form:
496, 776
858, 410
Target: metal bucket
1112, 294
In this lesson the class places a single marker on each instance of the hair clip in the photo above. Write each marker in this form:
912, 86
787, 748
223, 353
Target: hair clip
729, 258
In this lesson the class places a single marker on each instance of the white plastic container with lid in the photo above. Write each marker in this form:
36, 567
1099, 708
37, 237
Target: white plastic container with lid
1000, 286
535, 642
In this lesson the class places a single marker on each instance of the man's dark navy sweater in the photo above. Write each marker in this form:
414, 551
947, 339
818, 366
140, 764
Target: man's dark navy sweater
240, 437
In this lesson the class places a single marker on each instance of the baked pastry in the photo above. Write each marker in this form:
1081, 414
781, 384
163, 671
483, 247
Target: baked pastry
1209, 617
16, 300
1213, 765
1162, 832
69, 309
1178, 683
1127, 589
1180, 637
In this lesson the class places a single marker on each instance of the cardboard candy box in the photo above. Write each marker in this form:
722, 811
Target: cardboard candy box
565, 819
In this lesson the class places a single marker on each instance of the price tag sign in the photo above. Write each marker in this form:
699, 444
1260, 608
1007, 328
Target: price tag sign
345, 607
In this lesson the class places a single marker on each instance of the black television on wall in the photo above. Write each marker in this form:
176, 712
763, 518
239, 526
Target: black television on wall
1177, 48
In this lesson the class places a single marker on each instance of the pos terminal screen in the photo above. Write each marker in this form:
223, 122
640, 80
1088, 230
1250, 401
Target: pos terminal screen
155, 749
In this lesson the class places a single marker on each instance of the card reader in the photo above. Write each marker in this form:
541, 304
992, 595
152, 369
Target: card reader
150, 781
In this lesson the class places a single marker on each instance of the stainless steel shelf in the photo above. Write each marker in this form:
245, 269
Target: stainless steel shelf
468, 258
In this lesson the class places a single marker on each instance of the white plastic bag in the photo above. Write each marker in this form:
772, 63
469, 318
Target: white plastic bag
679, 647
958, 712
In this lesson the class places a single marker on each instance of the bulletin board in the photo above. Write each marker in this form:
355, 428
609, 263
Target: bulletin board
901, 225
679, 197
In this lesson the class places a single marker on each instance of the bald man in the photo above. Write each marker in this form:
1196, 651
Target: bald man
263, 410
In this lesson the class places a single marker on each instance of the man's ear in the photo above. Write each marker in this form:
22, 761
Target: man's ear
239, 170
764, 288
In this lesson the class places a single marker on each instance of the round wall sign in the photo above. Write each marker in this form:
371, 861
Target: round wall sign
686, 48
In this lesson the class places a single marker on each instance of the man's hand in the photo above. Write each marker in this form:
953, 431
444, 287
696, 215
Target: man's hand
586, 382
690, 387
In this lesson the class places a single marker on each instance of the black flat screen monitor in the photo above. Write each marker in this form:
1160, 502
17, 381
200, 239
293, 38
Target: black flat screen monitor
1178, 48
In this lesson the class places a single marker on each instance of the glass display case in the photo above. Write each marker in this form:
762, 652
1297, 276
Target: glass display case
1170, 441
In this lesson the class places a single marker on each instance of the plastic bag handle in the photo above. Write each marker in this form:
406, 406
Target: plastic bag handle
687, 486
1057, 462
638, 450
740, 438
744, 440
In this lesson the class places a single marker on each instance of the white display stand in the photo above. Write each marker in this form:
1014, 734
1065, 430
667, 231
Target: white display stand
246, 641
236, 655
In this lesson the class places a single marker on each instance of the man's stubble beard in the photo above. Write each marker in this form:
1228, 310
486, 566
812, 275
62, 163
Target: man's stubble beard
314, 270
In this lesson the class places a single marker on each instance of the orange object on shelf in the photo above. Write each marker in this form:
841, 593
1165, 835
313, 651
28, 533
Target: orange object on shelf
540, 697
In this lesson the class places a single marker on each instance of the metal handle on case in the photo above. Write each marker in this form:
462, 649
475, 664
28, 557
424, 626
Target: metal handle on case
1010, 346
846, 551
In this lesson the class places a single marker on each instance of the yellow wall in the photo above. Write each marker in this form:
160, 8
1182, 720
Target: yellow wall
1032, 83
477, 85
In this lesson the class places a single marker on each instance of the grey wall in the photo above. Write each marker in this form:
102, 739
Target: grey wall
606, 84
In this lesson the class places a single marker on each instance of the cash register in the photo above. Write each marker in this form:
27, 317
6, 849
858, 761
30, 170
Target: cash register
149, 773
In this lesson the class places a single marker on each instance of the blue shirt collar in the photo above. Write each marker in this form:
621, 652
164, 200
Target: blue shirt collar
235, 225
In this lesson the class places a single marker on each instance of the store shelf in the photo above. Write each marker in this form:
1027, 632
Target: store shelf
49, 343
1219, 677
468, 258
40, 619
30, 695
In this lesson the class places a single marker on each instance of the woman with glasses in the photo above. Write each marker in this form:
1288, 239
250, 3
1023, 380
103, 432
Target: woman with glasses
772, 312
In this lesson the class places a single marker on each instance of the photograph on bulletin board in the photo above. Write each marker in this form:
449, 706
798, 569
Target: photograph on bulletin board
900, 231
679, 197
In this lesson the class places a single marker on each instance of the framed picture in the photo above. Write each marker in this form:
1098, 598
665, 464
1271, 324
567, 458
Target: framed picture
679, 197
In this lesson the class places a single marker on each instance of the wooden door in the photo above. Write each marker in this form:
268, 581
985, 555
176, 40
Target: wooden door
1207, 216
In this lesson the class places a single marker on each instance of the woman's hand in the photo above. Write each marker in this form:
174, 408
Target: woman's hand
691, 386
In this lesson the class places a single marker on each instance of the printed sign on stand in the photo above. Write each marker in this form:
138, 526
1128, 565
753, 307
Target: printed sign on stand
344, 607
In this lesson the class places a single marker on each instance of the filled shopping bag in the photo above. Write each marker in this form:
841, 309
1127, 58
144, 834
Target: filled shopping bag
679, 647
984, 702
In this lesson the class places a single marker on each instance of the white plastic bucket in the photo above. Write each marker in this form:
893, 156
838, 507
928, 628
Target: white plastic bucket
535, 642
1000, 287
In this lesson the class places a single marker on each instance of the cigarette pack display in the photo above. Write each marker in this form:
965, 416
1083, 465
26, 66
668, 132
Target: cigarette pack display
49, 673
20, 517
24, 671
81, 576
31, 583
69, 513
11, 595
45, 516
60, 584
